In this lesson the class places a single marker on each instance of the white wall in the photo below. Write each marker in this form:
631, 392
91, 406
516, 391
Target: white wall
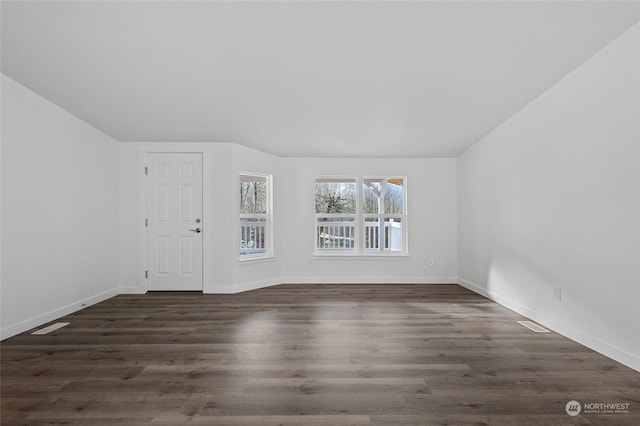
216, 220
551, 199
58, 211
432, 219
222, 163
432, 222
258, 273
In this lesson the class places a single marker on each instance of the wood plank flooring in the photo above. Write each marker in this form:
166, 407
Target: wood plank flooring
307, 355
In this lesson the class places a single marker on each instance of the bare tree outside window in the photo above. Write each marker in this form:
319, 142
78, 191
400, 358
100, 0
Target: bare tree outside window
253, 197
336, 197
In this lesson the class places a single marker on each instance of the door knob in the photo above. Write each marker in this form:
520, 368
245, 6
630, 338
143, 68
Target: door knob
197, 230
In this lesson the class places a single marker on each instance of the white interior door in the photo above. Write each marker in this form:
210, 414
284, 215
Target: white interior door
174, 221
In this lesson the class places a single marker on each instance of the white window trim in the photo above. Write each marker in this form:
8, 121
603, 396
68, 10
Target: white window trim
358, 251
268, 232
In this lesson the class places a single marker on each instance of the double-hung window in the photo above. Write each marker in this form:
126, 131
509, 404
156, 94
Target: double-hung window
360, 215
255, 215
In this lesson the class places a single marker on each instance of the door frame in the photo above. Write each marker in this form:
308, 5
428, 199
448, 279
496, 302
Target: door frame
143, 251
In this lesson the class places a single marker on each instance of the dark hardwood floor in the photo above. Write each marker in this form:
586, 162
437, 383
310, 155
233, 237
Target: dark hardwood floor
307, 355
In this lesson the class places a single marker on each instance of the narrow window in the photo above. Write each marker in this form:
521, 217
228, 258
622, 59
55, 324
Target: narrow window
255, 215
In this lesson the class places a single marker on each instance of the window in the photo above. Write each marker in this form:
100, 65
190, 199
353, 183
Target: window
360, 215
383, 213
336, 207
255, 215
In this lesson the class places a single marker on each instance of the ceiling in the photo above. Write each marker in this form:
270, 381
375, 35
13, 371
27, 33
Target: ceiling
311, 79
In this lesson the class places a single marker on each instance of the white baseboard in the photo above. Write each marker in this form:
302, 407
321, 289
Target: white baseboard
592, 342
233, 289
256, 285
54, 314
369, 280
219, 289
132, 290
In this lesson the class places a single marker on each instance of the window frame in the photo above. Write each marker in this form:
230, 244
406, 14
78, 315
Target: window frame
267, 216
359, 219
354, 216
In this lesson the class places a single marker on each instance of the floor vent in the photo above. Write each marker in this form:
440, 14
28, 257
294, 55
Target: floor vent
52, 327
534, 327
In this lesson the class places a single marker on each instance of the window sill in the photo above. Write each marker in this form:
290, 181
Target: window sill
245, 260
351, 256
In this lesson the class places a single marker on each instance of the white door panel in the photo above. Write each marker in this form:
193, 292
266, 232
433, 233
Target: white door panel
174, 211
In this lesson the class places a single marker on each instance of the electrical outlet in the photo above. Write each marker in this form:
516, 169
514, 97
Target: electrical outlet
431, 261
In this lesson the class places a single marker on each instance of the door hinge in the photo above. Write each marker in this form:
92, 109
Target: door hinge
146, 222
146, 274
146, 170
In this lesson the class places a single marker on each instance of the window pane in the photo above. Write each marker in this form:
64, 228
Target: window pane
371, 233
252, 235
393, 234
383, 234
255, 215
335, 196
394, 196
253, 194
371, 195
335, 233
